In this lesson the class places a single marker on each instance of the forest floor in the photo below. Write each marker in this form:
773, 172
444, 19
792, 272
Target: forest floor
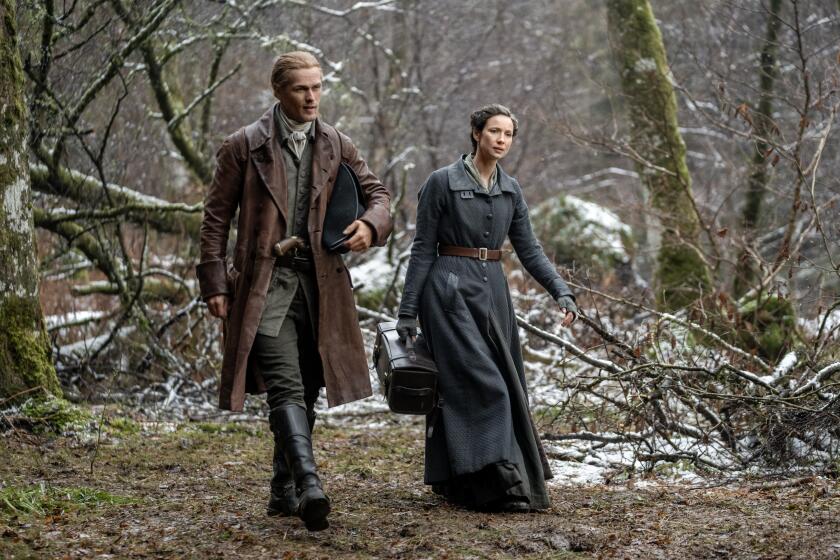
198, 490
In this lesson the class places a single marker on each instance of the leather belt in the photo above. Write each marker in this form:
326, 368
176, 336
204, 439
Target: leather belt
480, 253
301, 264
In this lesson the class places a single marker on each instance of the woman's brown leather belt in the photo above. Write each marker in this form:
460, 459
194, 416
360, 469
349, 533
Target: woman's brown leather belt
480, 253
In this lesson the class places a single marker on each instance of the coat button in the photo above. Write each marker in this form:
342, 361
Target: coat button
485, 279
486, 234
489, 216
484, 265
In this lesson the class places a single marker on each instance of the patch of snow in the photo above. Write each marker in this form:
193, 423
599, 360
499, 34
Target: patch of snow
73, 318
376, 272
782, 369
812, 326
590, 463
84, 347
645, 65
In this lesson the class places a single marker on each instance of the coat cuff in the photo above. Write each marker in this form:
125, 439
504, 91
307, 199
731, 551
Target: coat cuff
212, 278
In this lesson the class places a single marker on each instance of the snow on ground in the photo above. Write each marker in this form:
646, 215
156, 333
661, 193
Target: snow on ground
375, 273
812, 326
72, 319
578, 463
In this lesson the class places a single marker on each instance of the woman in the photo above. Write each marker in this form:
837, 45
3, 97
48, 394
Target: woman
482, 451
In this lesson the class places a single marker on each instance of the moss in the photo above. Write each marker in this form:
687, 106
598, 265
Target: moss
122, 426
224, 428
55, 415
768, 325
682, 277
764, 326
43, 500
24, 350
371, 299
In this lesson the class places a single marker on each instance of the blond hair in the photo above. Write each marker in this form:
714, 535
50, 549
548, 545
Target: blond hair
286, 62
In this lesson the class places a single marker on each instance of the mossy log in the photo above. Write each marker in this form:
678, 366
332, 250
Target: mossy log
682, 275
153, 289
25, 362
163, 216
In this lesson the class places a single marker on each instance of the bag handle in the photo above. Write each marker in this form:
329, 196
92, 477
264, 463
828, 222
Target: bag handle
409, 345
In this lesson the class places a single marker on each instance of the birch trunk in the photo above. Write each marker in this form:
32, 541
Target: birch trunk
24, 349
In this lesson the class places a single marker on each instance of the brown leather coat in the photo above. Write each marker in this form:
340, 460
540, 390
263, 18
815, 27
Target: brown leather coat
250, 175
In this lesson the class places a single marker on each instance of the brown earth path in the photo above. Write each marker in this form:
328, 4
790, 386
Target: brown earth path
199, 492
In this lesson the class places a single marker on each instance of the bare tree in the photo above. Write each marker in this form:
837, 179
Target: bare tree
764, 128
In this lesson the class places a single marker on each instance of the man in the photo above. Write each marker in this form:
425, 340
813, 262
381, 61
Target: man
290, 321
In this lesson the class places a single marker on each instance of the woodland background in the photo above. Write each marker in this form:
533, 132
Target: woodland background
679, 158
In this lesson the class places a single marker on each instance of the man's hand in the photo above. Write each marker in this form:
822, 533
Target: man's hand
361, 236
218, 306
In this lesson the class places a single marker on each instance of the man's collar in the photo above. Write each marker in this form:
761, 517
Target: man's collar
283, 131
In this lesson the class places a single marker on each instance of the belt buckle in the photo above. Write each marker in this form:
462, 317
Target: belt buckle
482, 253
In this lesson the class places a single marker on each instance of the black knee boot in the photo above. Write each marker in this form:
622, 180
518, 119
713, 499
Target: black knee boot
283, 499
292, 425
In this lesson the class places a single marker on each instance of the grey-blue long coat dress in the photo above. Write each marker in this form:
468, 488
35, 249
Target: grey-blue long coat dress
467, 318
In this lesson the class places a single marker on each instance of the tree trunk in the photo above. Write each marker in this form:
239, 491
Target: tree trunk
24, 348
682, 274
764, 128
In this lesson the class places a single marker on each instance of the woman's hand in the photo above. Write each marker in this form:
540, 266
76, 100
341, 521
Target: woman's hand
569, 318
568, 309
406, 328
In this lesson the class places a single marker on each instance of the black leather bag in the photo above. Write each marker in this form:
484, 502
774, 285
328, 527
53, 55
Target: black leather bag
346, 205
406, 371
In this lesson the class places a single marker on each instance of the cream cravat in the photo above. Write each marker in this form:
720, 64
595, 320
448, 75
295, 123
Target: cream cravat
298, 133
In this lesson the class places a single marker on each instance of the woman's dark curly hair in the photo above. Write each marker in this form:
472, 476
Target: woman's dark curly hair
479, 118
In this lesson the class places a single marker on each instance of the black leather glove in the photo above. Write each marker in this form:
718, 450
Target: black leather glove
406, 327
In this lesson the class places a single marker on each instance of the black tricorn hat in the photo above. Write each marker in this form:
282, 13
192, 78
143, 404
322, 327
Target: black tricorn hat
346, 205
